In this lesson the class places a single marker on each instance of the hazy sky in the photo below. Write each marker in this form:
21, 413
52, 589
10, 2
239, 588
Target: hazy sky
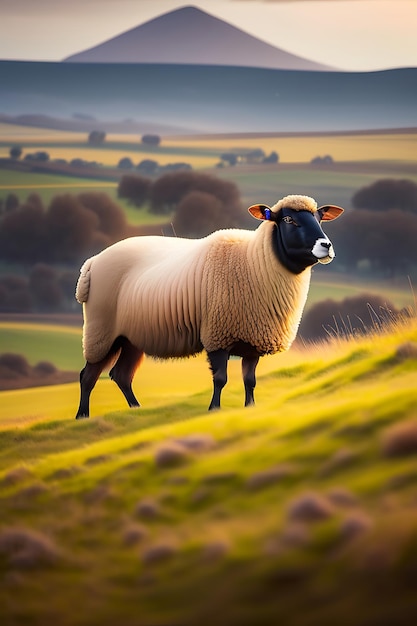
350, 34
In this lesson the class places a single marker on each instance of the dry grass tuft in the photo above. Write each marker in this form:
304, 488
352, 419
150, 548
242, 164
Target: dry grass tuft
171, 454
133, 534
310, 507
340, 496
16, 475
406, 351
158, 553
269, 477
400, 440
197, 442
148, 509
215, 550
340, 460
354, 525
27, 549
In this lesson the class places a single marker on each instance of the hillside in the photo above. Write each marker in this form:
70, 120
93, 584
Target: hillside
300, 511
210, 99
190, 35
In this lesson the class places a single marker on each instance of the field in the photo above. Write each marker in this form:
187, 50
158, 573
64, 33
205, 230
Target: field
359, 159
299, 511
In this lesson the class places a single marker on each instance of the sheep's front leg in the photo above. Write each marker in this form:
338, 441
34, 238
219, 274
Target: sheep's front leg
249, 379
218, 365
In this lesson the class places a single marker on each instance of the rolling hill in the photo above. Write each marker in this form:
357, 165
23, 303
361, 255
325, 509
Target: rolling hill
189, 35
207, 98
300, 511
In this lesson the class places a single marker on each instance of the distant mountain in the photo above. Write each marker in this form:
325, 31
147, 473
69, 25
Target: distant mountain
191, 36
175, 99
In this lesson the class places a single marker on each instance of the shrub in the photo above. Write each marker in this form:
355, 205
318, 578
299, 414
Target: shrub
386, 194
356, 315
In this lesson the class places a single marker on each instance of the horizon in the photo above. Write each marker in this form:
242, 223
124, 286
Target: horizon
376, 34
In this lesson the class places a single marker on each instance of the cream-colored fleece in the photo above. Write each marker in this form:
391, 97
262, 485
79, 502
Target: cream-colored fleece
172, 297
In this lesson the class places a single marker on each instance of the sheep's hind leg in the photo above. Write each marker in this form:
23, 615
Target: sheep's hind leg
124, 369
88, 378
218, 364
249, 379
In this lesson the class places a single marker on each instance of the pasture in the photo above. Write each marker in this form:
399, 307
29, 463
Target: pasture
359, 159
300, 510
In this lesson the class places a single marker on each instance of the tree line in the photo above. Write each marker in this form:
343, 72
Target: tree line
50, 242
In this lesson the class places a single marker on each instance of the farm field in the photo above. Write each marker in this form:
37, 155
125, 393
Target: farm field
359, 160
298, 511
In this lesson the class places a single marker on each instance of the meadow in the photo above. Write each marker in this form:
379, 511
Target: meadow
300, 511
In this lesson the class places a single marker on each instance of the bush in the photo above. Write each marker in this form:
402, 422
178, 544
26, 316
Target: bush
96, 137
15, 152
386, 194
125, 163
134, 188
151, 140
169, 189
356, 315
199, 214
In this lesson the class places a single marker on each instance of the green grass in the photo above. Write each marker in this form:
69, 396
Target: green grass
215, 536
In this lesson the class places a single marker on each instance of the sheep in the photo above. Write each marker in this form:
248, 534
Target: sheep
234, 292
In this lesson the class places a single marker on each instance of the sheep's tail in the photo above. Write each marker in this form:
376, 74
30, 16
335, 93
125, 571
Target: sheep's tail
83, 285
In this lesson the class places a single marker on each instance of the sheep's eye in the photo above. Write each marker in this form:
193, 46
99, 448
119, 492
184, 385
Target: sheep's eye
289, 220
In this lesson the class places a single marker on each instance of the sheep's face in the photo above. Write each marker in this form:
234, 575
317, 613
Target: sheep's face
299, 240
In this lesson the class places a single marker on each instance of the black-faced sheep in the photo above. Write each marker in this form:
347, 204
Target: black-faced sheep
235, 292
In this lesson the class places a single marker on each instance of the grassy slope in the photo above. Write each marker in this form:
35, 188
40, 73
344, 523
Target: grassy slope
109, 535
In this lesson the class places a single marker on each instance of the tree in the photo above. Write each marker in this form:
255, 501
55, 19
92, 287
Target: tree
229, 157
200, 213
319, 160
386, 194
12, 202
147, 167
134, 188
45, 287
97, 137
111, 218
23, 234
125, 163
151, 140
271, 158
386, 241
15, 152
70, 228
167, 191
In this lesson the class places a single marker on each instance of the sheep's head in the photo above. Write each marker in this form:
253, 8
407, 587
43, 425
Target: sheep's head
299, 239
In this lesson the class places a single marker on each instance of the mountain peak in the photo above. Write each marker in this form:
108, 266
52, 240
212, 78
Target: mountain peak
190, 36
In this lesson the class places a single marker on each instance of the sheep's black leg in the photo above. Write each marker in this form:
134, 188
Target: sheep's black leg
88, 378
218, 365
249, 379
123, 371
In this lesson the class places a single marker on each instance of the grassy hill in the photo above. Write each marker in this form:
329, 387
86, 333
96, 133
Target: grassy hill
299, 511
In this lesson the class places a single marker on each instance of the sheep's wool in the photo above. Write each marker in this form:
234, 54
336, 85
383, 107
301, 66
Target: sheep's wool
172, 297
251, 297
296, 203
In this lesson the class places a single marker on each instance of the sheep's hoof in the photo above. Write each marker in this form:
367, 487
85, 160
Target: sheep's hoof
82, 417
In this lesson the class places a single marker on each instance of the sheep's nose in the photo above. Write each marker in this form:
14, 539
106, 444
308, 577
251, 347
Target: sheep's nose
326, 244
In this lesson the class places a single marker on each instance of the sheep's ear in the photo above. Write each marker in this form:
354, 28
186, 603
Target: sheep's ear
329, 212
260, 211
